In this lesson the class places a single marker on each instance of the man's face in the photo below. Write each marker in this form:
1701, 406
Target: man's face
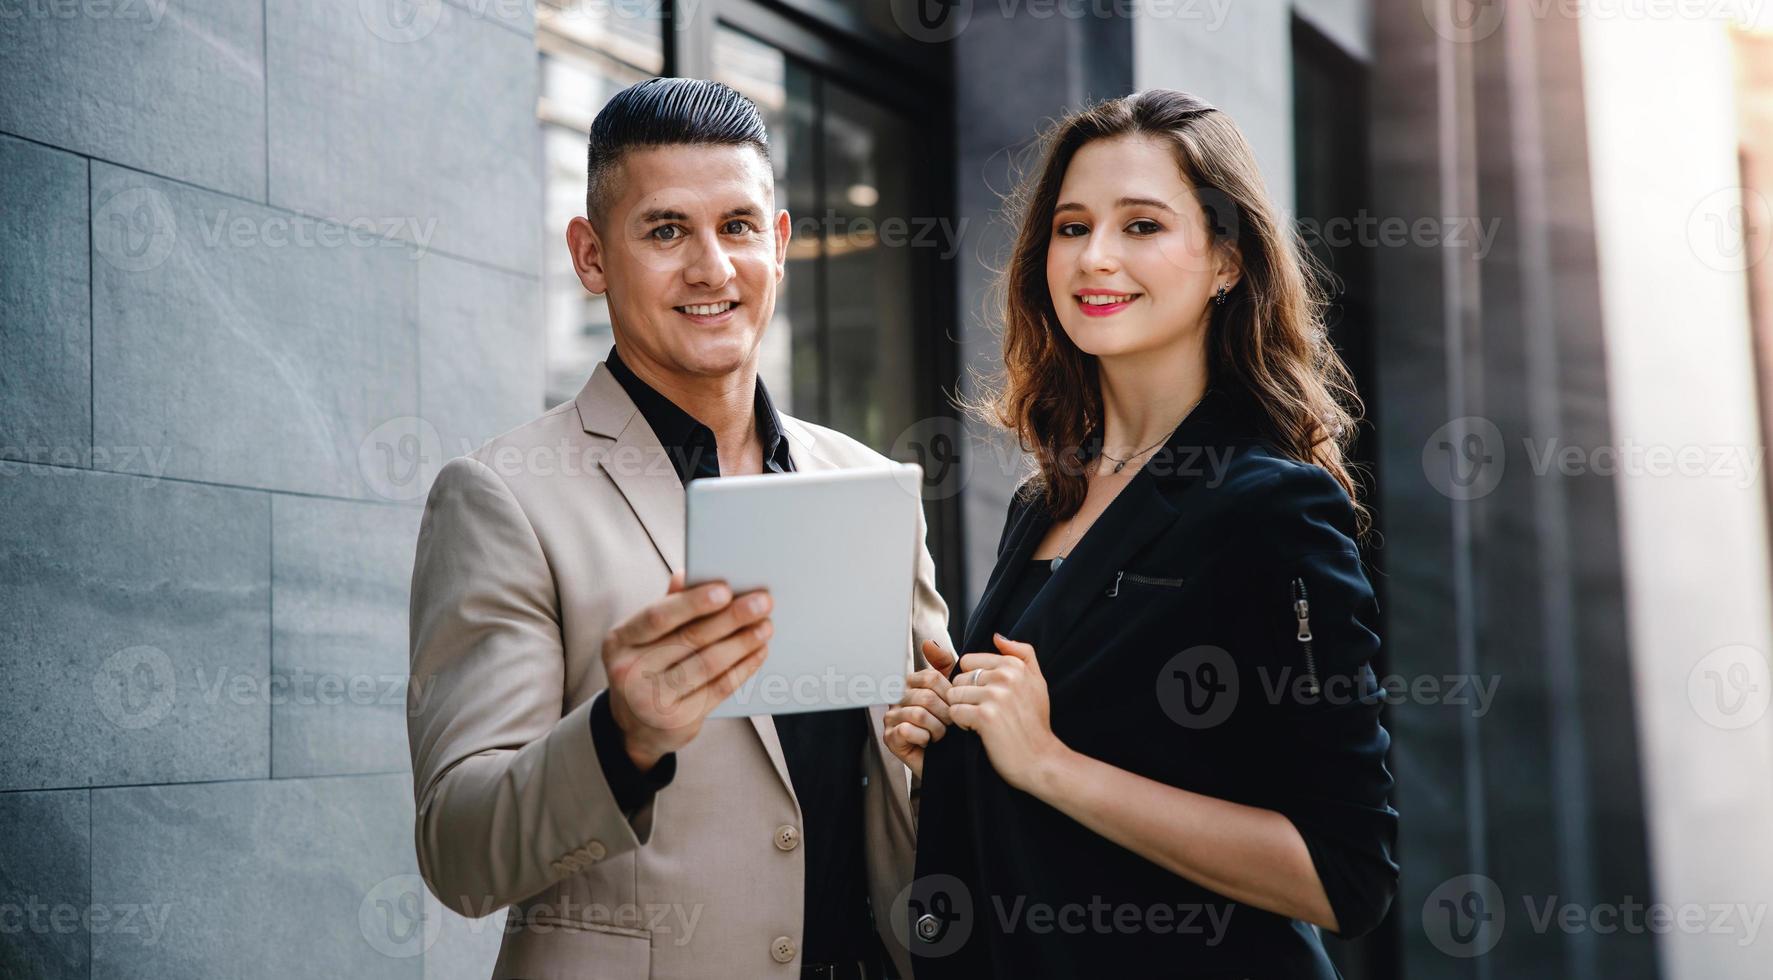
688, 251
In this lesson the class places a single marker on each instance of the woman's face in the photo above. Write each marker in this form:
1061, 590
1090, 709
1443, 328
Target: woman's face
1132, 266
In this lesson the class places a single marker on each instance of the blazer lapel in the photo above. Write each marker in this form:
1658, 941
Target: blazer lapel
1031, 525
637, 463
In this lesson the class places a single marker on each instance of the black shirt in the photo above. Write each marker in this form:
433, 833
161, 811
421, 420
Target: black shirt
823, 749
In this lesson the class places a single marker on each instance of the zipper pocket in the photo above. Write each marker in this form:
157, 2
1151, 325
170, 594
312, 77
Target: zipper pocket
1302, 613
1168, 583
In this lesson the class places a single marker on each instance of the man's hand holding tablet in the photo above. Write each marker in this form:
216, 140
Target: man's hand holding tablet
672, 662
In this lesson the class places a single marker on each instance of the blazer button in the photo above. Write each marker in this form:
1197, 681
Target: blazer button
787, 838
928, 928
782, 949
596, 851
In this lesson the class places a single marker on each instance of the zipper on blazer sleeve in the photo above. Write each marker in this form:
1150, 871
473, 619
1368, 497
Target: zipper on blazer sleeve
1302, 613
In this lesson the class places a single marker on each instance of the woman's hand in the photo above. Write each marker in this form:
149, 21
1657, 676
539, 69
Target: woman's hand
921, 716
1003, 697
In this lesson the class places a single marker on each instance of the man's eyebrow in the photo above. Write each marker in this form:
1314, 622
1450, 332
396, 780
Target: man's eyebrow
672, 214
1125, 202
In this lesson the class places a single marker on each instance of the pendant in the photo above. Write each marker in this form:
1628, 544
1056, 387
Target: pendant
1120, 466
1056, 562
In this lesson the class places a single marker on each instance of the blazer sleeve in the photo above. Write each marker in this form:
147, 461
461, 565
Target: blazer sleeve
1323, 741
929, 621
510, 795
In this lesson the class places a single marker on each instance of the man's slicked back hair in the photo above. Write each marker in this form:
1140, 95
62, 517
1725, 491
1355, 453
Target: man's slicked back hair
666, 112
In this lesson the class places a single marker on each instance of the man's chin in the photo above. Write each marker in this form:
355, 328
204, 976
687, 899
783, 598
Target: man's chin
717, 354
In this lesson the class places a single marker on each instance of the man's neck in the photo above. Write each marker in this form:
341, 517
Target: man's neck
726, 404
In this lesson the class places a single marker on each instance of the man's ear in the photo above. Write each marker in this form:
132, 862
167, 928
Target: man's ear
784, 227
587, 251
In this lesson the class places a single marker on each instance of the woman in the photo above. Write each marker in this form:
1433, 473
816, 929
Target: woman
1161, 754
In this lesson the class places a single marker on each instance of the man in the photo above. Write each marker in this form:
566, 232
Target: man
561, 761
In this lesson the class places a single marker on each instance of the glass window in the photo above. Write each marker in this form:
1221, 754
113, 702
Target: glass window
588, 53
867, 204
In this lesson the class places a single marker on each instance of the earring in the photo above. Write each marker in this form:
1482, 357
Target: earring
1219, 297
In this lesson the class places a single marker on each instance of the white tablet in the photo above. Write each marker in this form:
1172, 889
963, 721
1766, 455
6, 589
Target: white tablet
837, 550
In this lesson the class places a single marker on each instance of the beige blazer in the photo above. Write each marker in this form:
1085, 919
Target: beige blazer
532, 548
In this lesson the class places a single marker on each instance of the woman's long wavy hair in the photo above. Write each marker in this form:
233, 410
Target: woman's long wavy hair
1268, 340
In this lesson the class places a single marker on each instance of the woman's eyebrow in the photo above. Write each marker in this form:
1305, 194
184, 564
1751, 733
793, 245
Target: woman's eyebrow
1125, 202
1143, 202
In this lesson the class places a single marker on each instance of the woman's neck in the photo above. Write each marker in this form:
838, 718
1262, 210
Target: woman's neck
1145, 396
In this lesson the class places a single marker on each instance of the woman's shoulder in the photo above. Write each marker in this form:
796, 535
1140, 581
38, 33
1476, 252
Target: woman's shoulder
1282, 503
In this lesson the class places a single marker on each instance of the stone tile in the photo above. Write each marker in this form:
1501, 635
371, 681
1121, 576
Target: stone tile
241, 344
480, 352
175, 88
44, 881
340, 578
45, 320
465, 949
284, 877
138, 629
423, 124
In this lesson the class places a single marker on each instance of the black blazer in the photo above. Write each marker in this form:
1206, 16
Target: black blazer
1170, 643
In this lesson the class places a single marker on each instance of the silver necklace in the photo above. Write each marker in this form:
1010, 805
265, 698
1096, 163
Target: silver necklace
1059, 559
1065, 550
1119, 464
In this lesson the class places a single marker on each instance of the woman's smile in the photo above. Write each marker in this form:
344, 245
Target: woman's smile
1103, 302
